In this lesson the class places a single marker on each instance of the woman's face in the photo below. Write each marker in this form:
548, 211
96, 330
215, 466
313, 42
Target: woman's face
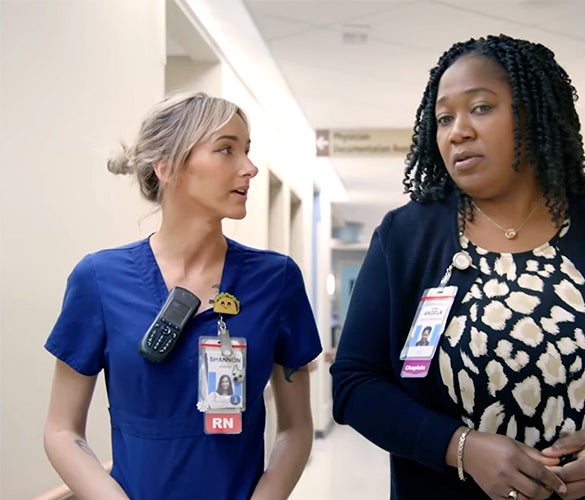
225, 384
475, 129
217, 174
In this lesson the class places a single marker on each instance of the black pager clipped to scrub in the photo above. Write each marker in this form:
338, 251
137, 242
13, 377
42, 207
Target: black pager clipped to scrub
164, 332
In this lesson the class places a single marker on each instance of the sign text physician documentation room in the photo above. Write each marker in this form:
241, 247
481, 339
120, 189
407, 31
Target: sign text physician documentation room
363, 142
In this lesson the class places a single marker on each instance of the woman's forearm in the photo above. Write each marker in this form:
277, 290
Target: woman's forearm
286, 463
79, 467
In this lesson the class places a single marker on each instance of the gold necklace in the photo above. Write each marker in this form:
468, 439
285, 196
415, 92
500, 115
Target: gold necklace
509, 233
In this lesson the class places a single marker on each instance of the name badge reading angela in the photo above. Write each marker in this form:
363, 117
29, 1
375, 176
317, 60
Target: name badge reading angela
426, 331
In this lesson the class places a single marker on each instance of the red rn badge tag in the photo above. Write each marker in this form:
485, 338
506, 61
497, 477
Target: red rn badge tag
223, 423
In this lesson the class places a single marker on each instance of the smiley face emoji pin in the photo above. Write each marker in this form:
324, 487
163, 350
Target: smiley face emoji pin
226, 303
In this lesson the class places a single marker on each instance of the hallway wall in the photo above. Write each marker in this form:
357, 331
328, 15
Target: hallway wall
76, 78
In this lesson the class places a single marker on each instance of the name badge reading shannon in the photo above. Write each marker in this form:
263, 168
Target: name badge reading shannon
426, 330
222, 384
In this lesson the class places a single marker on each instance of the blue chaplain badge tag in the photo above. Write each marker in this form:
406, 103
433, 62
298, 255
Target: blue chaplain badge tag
426, 330
222, 384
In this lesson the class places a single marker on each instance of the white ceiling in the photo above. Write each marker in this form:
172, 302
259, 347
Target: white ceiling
379, 83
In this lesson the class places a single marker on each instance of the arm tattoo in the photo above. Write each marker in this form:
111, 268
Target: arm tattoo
85, 447
288, 373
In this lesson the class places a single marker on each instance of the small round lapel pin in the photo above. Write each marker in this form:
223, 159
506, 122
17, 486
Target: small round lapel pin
461, 260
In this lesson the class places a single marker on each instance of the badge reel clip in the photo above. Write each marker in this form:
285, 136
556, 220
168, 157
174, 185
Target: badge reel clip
224, 337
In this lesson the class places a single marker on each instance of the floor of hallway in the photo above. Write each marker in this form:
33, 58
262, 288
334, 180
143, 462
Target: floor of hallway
344, 466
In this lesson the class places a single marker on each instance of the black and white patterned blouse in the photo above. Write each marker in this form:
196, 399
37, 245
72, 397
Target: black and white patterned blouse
512, 357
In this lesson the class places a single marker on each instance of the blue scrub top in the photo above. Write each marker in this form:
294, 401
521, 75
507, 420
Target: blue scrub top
160, 449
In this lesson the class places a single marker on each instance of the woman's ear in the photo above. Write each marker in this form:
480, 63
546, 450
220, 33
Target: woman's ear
162, 172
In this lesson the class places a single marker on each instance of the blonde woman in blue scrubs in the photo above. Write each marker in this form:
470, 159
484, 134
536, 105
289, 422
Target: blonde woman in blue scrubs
191, 157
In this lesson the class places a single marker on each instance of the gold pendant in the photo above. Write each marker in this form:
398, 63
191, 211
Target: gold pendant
510, 233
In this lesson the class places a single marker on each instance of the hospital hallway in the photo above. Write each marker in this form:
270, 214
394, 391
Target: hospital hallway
344, 466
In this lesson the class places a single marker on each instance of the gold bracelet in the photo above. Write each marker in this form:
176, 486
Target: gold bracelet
460, 446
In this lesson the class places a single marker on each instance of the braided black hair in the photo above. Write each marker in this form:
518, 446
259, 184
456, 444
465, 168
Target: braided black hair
549, 129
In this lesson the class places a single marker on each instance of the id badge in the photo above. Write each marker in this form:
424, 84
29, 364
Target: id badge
222, 385
426, 330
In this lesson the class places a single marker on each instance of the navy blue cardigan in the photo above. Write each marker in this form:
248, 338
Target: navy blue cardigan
412, 418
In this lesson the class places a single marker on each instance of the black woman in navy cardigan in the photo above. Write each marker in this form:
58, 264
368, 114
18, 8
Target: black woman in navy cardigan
494, 408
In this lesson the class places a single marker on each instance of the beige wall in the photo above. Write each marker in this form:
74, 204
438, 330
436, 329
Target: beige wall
76, 77
183, 73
